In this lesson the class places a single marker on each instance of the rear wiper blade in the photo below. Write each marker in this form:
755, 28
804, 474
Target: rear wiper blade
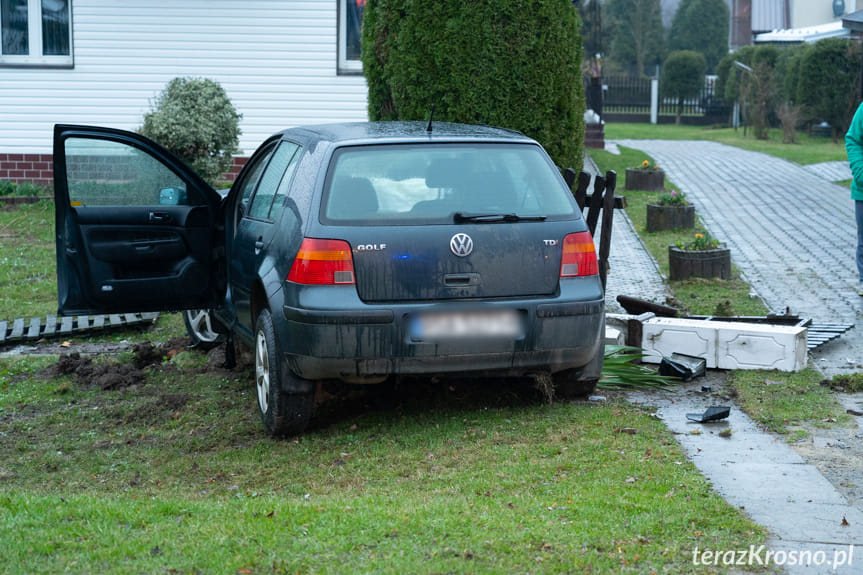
460, 217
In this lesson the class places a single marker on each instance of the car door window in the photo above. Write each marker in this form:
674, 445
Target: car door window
281, 198
266, 189
109, 173
250, 179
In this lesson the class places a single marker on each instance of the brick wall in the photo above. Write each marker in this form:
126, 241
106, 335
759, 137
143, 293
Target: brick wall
236, 165
38, 168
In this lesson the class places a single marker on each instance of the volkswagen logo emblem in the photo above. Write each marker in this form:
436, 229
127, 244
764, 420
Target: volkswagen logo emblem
461, 245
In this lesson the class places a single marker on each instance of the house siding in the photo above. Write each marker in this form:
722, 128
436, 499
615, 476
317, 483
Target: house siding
275, 58
769, 15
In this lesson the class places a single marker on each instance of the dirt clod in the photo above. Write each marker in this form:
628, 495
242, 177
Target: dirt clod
106, 376
69, 363
146, 354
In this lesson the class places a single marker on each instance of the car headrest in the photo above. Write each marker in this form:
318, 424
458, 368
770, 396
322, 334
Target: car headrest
352, 198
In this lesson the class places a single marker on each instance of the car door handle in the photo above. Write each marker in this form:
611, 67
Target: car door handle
259, 245
159, 216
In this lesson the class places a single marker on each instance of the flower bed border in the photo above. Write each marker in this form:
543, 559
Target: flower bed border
644, 180
684, 264
669, 217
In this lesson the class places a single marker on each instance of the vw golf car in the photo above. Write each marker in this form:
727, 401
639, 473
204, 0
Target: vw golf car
353, 252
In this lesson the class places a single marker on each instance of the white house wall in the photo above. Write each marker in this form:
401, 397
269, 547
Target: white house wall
275, 58
806, 13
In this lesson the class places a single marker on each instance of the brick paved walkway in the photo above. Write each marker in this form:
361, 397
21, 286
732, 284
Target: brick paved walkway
791, 232
830, 171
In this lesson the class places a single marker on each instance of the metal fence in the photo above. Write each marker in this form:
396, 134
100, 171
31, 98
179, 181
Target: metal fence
629, 96
626, 94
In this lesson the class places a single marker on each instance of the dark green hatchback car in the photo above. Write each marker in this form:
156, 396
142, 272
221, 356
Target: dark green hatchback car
353, 252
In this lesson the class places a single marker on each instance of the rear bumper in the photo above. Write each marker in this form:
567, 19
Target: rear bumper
365, 343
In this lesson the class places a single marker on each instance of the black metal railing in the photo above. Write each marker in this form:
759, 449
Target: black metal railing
626, 94
630, 95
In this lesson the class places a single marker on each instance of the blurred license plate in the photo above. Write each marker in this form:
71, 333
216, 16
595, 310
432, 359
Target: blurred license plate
471, 324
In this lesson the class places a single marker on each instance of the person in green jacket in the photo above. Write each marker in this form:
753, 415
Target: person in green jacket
854, 148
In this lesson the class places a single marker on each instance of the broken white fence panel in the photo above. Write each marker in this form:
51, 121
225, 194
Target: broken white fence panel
726, 345
613, 336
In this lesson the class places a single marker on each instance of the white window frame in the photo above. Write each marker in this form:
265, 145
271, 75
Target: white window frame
345, 66
34, 34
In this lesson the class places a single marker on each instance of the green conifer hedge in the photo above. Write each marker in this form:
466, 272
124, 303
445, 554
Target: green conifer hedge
509, 63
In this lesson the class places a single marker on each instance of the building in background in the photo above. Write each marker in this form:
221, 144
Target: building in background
282, 63
750, 18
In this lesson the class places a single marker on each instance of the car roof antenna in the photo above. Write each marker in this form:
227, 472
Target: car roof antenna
431, 119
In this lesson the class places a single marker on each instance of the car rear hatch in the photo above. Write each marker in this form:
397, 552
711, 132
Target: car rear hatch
470, 260
449, 220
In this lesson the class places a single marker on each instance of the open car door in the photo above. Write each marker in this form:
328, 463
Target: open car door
137, 229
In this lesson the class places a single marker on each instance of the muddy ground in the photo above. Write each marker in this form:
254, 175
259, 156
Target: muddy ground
835, 451
124, 367
838, 452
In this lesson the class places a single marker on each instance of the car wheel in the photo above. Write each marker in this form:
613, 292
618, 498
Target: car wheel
202, 328
282, 412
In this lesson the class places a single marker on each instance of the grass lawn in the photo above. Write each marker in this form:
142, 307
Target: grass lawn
174, 474
28, 276
168, 469
806, 151
780, 401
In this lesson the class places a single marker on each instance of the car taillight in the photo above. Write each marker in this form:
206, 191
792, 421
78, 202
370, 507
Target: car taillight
323, 262
579, 256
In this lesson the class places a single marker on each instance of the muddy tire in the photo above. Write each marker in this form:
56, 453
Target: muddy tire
203, 329
283, 412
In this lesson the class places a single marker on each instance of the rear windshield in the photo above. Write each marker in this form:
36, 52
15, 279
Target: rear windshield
411, 184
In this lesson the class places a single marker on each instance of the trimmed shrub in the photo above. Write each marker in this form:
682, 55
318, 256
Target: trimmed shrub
788, 69
759, 89
728, 81
828, 82
683, 76
194, 119
509, 63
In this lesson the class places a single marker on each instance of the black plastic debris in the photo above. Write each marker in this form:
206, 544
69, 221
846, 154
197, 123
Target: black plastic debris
683, 366
710, 414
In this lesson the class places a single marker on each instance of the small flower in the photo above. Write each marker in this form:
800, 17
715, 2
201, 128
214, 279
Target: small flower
701, 242
673, 198
645, 163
